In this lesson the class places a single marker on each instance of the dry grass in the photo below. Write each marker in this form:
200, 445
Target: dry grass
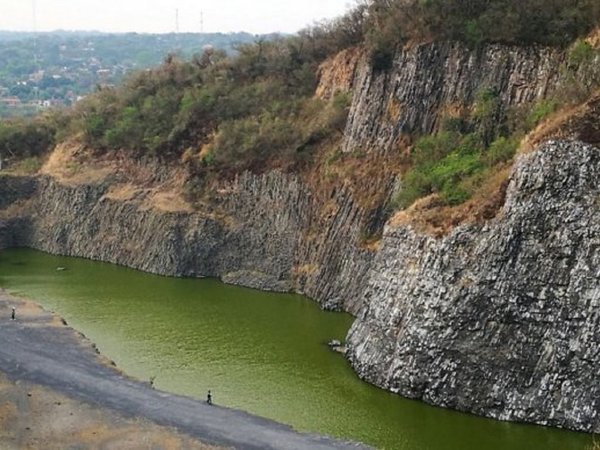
150, 185
371, 244
594, 38
571, 122
364, 174
70, 165
123, 192
306, 269
170, 202
550, 128
337, 73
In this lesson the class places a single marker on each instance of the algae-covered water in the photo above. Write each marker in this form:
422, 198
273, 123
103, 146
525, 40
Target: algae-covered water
261, 352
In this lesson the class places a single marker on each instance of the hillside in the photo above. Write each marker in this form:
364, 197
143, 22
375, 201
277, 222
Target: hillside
42, 70
401, 167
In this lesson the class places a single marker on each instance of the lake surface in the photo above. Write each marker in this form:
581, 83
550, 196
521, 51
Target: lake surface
261, 352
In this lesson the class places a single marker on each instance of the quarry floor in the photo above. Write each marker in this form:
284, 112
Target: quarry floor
57, 392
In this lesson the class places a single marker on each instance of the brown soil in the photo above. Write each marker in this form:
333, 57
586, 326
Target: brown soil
148, 185
33, 417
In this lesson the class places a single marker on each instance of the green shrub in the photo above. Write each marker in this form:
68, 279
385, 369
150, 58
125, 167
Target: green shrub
581, 52
27, 166
433, 148
23, 138
473, 33
501, 150
540, 111
416, 184
451, 164
446, 174
390, 23
381, 55
487, 115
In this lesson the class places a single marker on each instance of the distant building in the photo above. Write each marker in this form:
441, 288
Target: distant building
37, 76
10, 101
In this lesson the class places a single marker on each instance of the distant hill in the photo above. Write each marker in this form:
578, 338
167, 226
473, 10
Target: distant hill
46, 69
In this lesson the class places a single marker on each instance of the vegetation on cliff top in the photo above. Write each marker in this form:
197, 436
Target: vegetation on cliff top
55, 68
392, 23
257, 110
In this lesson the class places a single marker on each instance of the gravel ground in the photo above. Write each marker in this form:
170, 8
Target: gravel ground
41, 356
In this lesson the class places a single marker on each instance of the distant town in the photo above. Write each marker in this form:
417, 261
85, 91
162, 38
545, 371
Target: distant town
45, 70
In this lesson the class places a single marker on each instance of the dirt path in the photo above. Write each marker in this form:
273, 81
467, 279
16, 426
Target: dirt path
34, 417
38, 349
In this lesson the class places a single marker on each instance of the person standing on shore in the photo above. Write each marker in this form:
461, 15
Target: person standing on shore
12, 316
209, 398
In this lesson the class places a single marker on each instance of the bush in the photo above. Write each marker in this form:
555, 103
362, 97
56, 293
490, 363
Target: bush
22, 138
416, 184
391, 23
181, 105
540, 111
487, 117
580, 52
286, 132
501, 150
454, 162
434, 148
245, 141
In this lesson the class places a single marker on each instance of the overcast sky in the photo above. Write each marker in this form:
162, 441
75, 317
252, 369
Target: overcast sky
158, 16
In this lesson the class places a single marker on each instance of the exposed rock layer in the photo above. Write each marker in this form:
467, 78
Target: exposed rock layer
500, 320
432, 80
266, 231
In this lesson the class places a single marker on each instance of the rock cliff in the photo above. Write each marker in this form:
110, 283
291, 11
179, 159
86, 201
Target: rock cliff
267, 232
502, 319
430, 80
497, 319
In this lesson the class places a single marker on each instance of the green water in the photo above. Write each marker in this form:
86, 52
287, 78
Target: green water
260, 352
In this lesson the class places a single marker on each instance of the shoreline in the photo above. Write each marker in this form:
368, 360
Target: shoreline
39, 349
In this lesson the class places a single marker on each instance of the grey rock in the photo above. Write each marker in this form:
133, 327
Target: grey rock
429, 79
498, 320
261, 232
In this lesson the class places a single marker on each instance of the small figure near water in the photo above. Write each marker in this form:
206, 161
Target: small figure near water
209, 398
12, 316
152, 381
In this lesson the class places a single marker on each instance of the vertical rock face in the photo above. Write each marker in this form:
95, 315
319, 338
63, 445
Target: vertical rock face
501, 320
14, 195
15, 189
429, 80
268, 232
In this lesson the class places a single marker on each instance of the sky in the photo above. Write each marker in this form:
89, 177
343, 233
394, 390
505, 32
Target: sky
159, 16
